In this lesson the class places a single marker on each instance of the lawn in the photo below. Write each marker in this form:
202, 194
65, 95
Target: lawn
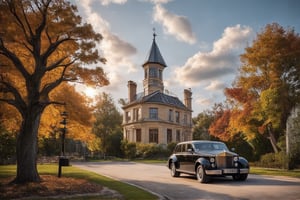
72, 174
275, 172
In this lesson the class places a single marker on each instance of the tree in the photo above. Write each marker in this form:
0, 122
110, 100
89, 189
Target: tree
43, 43
108, 121
79, 119
219, 125
268, 84
201, 125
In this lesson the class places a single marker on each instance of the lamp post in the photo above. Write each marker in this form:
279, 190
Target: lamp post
64, 116
63, 161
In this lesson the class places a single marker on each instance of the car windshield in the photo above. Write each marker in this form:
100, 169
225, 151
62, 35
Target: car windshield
210, 146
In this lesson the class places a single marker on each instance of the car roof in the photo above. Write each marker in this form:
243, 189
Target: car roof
199, 141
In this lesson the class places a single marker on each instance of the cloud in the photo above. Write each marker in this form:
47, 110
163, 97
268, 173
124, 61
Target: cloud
107, 2
221, 61
113, 48
175, 25
215, 85
203, 101
158, 1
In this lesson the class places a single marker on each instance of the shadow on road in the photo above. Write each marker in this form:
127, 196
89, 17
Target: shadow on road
183, 191
252, 180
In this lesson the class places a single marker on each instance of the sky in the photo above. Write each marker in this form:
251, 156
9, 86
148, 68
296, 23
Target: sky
200, 41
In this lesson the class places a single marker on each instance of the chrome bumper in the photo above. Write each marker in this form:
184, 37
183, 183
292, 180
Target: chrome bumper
226, 171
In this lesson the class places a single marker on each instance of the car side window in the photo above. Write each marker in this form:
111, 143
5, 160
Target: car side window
183, 148
189, 146
177, 149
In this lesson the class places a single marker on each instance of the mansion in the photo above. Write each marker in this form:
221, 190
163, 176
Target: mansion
155, 116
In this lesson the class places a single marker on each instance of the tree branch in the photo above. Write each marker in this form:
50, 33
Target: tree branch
54, 102
12, 9
17, 62
57, 63
43, 12
49, 87
18, 101
53, 46
48, 36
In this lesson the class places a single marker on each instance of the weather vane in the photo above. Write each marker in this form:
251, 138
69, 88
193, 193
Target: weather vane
154, 34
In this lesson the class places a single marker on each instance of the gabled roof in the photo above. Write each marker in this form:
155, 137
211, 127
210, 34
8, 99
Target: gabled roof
154, 55
160, 98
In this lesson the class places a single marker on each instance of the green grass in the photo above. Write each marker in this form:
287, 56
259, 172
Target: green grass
147, 161
128, 191
275, 172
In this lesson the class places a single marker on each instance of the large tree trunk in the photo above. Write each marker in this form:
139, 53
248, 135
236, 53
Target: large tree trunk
27, 147
272, 137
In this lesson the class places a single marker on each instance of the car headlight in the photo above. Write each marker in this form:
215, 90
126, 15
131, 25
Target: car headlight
212, 160
235, 159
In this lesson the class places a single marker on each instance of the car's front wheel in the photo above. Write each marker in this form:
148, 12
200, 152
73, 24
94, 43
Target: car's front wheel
174, 172
201, 176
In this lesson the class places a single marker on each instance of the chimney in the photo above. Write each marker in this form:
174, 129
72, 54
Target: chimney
131, 91
188, 98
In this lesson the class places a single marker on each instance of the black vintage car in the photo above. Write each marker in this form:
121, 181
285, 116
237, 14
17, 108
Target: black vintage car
206, 159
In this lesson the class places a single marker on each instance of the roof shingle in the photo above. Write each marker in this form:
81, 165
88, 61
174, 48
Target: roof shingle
155, 55
159, 97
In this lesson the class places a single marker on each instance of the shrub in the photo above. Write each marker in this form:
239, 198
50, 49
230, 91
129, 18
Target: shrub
274, 160
133, 150
7, 147
294, 156
151, 151
171, 147
129, 149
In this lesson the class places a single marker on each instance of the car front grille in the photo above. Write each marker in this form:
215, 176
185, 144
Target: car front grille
224, 161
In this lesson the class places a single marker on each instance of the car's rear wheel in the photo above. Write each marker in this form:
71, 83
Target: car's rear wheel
201, 176
240, 177
174, 172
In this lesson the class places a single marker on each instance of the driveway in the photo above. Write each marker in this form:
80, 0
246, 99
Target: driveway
157, 179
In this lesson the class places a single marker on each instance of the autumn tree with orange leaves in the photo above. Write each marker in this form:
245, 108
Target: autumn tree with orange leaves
219, 125
267, 86
43, 43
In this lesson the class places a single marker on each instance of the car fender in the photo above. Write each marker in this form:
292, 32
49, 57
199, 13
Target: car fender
243, 162
173, 159
202, 161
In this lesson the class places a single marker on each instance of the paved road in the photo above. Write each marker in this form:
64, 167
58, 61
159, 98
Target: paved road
156, 178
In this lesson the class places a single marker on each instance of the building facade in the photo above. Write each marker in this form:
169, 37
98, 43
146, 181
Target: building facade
155, 116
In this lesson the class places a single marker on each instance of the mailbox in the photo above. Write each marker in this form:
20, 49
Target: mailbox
64, 161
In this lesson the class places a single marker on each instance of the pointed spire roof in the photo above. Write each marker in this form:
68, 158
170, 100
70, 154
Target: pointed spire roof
154, 55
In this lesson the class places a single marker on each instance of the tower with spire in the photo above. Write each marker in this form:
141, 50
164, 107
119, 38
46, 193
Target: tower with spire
153, 116
153, 70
